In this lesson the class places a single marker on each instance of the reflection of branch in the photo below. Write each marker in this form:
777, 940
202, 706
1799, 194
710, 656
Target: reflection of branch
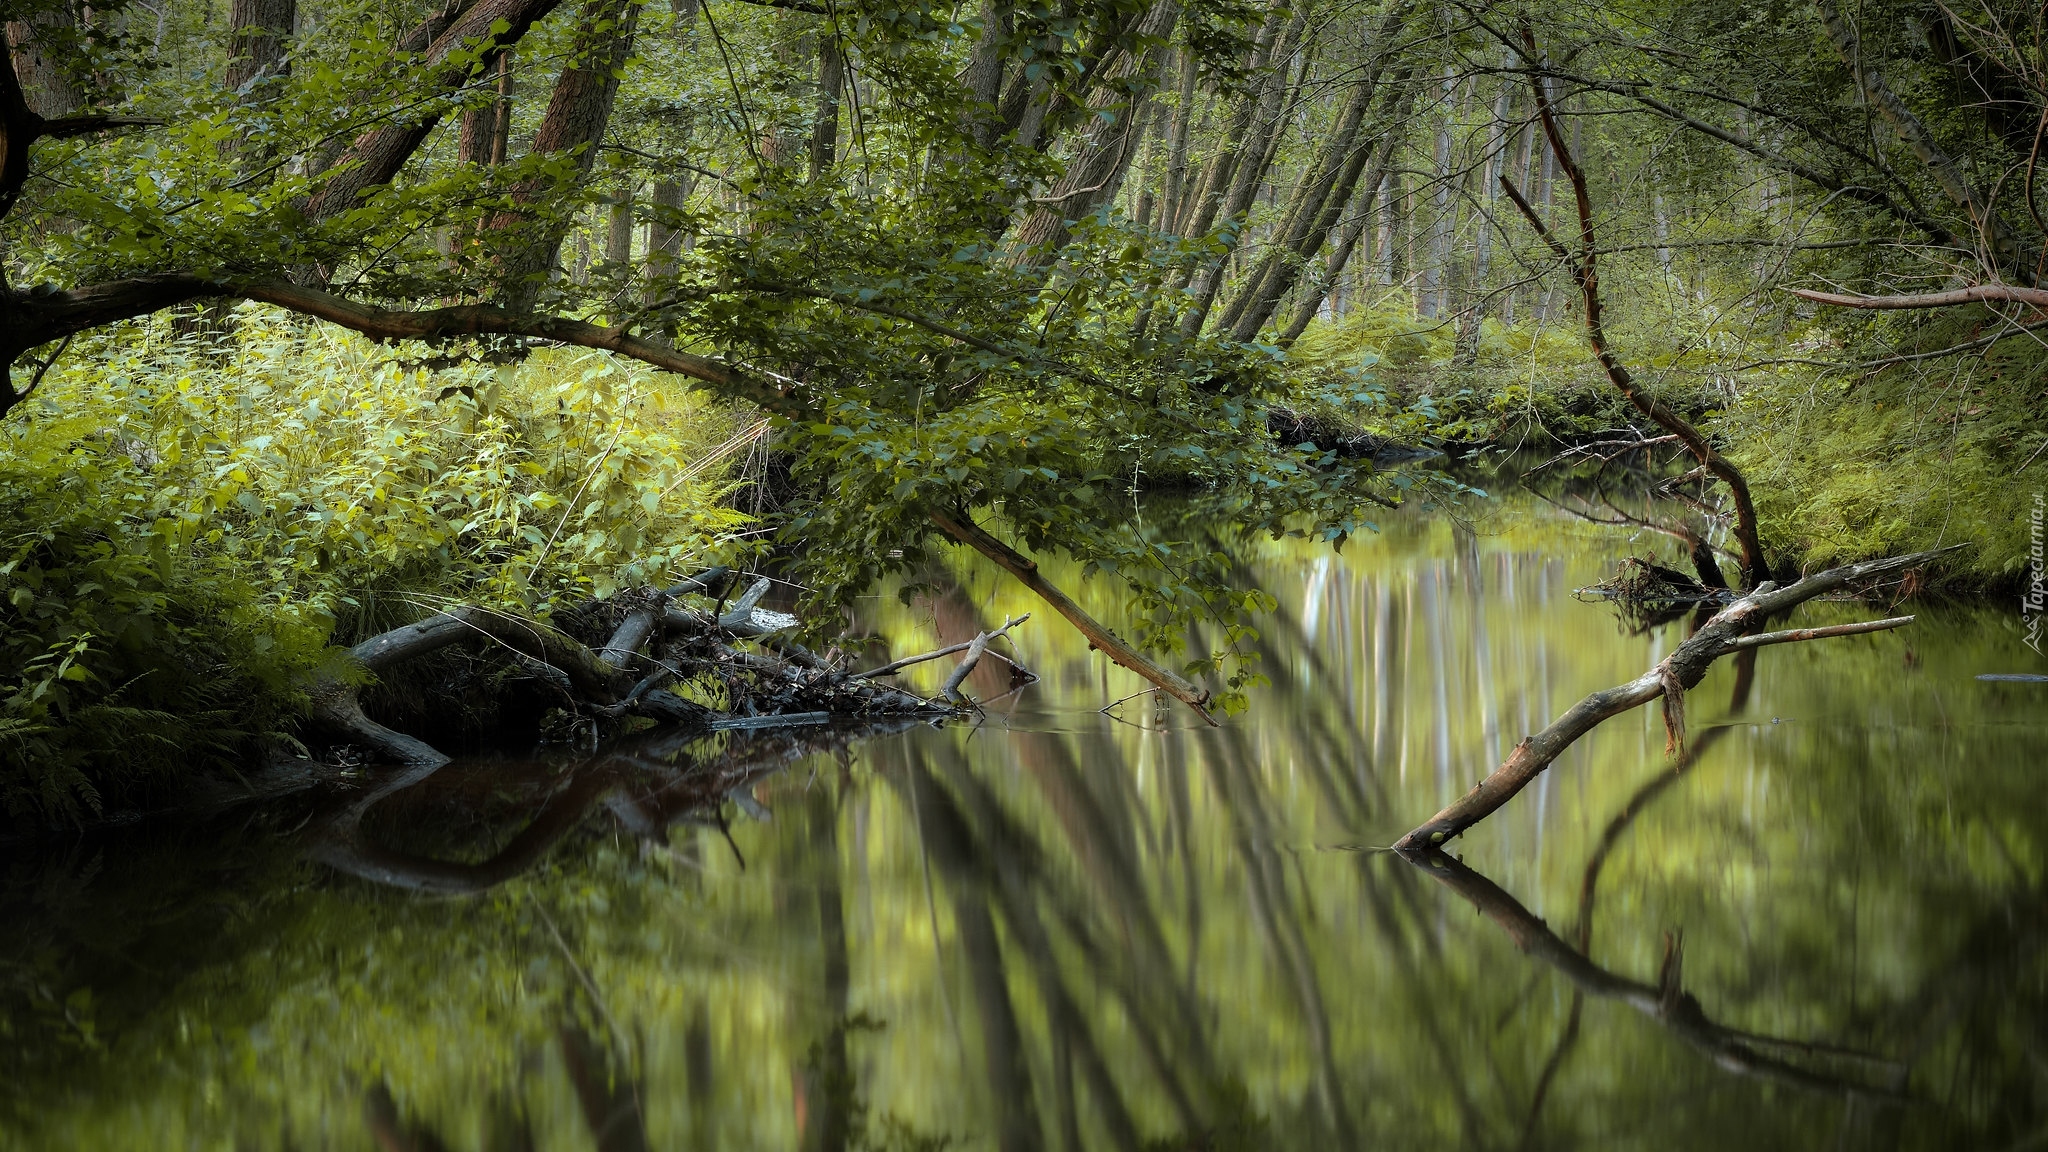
1665, 1002
344, 847
692, 786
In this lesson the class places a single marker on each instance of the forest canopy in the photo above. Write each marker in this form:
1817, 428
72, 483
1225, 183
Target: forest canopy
958, 274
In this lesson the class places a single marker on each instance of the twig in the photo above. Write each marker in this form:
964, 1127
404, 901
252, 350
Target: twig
1792, 635
907, 661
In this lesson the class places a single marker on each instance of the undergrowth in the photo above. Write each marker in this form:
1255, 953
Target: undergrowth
1845, 463
189, 524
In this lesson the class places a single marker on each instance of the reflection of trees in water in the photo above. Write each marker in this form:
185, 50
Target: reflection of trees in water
1324, 744
1139, 938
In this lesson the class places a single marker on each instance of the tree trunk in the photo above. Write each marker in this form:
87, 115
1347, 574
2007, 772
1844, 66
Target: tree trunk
618, 244
1105, 153
574, 125
258, 32
1472, 317
1429, 301
1177, 145
1368, 211
487, 131
665, 241
1327, 186
1241, 169
40, 46
984, 76
831, 86
445, 44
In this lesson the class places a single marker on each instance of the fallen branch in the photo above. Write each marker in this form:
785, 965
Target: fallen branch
1953, 298
965, 530
898, 665
1684, 668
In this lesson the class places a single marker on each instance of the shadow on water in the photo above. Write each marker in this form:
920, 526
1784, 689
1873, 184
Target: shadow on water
1821, 925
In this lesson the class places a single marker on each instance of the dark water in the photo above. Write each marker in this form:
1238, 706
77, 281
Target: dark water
1823, 927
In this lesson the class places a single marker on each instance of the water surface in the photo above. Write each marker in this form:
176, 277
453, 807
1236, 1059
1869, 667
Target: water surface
1821, 926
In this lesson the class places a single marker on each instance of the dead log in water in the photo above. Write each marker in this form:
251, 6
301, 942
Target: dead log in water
1683, 669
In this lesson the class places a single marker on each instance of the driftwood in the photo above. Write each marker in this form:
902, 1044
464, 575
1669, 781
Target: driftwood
895, 666
655, 644
1684, 668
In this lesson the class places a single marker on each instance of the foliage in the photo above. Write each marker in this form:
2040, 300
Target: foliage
188, 523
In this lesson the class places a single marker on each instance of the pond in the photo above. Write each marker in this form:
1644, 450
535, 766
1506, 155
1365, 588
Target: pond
1823, 924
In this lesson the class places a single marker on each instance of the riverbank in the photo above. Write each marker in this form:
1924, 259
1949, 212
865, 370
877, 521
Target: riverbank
1847, 459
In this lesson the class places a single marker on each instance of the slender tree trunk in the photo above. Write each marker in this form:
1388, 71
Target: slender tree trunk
984, 75
1387, 270
1241, 169
1327, 186
1546, 198
664, 240
1369, 212
1177, 146
1523, 166
1663, 219
831, 86
487, 130
1430, 289
618, 248
1473, 317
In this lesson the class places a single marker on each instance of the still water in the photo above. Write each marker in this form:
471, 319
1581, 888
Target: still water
1823, 926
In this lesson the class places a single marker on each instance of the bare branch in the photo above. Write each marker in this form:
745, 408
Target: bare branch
1954, 298
1683, 669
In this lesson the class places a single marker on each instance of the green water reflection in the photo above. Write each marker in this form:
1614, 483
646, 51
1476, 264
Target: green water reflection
1821, 927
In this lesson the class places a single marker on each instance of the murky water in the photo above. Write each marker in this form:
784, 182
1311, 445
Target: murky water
1823, 927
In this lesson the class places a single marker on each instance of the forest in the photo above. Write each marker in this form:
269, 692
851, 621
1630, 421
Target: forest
321, 318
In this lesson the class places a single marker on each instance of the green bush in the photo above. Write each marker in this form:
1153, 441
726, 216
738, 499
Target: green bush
185, 525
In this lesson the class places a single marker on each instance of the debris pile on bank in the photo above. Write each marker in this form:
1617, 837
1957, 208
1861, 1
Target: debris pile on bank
689, 633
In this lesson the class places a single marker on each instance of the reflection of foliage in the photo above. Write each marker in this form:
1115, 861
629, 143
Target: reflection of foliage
1182, 913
